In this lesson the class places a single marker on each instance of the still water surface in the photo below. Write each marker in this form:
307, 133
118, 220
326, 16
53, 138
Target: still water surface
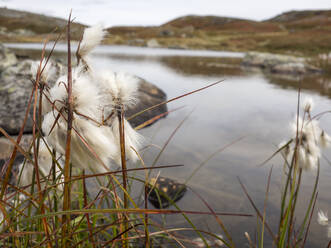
253, 106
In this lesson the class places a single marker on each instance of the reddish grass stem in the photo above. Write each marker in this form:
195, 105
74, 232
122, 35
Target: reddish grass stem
120, 116
66, 196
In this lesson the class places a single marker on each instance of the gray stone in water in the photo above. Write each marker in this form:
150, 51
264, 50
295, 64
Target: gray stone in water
163, 191
16, 86
277, 63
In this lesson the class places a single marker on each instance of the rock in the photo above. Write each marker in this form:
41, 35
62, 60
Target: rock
289, 68
148, 95
15, 89
153, 43
167, 33
23, 32
136, 42
7, 58
6, 147
277, 63
16, 86
162, 189
178, 47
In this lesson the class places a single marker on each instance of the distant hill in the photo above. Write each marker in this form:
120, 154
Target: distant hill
25, 23
291, 16
217, 23
309, 19
201, 22
295, 32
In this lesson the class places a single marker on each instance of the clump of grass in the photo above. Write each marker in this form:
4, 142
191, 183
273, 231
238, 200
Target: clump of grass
301, 155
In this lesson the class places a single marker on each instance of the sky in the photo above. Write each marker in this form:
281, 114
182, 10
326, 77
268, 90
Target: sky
156, 12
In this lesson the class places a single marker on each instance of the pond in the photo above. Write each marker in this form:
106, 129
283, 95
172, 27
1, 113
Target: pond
249, 110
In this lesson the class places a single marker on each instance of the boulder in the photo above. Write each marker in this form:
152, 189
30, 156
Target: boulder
7, 58
16, 86
164, 191
277, 63
153, 43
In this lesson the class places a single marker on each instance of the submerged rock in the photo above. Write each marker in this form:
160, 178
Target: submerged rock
277, 63
165, 190
16, 83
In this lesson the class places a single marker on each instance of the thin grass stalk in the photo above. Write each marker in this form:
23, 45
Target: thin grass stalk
311, 215
100, 229
287, 227
257, 210
122, 234
173, 99
168, 140
219, 221
130, 210
209, 158
168, 232
284, 195
146, 183
89, 225
36, 147
6, 217
302, 228
187, 219
120, 116
9, 164
265, 208
155, 118
283, 230
250, 242
66, 196
293, 165
147, 239
291, 226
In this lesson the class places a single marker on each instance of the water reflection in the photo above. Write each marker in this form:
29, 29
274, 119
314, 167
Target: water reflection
252, 105
316, 83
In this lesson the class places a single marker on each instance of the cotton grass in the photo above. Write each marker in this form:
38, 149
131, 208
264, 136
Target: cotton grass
308, 139
97, 95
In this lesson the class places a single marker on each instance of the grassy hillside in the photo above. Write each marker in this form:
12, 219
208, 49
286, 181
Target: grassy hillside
26, 26
295, 32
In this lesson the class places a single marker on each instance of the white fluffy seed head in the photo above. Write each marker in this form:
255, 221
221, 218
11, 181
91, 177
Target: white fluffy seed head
309, 138
322, 218
44, 164
118, 89
98, 138
302, 157
311, 162
308, 104
55, 131
324, 140
308, 130
47, 69
91, 38
58, 93
86, 98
